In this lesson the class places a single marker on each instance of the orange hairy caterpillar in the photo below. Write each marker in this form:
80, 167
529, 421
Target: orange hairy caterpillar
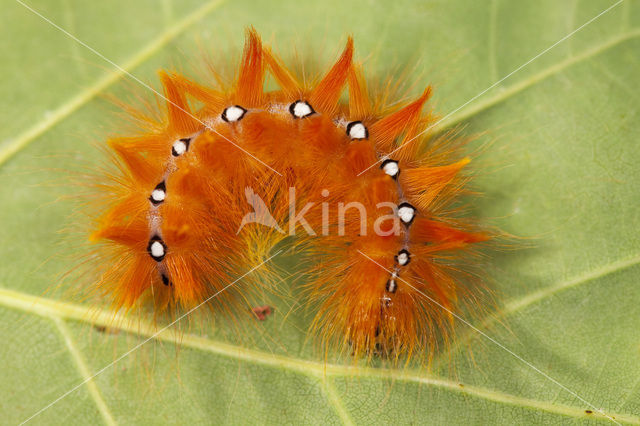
174, 228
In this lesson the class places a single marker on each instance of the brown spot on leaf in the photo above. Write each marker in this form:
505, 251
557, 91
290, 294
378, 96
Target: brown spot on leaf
262, 312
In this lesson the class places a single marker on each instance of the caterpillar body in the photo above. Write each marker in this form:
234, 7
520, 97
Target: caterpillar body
174, 227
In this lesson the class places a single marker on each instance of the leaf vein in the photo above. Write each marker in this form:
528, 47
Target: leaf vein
600, 272
506, 93
334, 399
15, 145
84, 371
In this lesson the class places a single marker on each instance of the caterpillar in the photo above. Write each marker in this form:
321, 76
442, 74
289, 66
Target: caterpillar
176, 224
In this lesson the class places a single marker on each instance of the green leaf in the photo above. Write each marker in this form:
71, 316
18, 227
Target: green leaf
561, 168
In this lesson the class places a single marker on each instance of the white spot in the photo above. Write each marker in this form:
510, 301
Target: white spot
301, 109
233, 113
357, 130
406, 212
179, 148
158, 195
391, 167
157, 249
403, 258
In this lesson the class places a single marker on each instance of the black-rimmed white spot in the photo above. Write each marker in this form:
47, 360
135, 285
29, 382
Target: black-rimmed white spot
301, 109
406, 212
157, 248
403, 257
390, 167
391, 286
158, 194
180, 146
233, 113
357, 130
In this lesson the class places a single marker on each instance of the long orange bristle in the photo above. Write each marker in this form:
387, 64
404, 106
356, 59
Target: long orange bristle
326, 94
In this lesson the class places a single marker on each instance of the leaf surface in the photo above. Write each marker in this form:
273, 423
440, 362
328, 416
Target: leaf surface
561, 168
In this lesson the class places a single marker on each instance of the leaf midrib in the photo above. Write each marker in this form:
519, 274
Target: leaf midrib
56, 311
